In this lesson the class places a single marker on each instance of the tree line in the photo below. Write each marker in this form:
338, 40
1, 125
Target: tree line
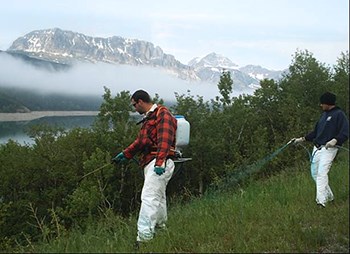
66, 179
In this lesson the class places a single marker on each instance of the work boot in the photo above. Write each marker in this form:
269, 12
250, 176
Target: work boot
160, 226
321, 205
136, 245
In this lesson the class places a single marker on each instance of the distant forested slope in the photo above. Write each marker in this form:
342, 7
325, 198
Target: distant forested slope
8, 104
22, 100
25, 99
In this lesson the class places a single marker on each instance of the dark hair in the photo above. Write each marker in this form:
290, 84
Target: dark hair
328, 98
141, 95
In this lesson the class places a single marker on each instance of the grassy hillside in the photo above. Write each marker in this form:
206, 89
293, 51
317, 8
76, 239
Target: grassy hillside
277, 214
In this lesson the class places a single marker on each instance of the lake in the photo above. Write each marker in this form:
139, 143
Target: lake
16, 130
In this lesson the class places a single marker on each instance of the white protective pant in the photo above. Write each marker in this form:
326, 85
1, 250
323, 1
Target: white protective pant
153, 211
320, 166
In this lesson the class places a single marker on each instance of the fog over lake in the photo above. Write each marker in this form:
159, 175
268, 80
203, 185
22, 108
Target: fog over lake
89, 79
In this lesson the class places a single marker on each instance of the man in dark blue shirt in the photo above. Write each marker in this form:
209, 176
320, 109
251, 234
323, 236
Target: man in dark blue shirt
330, 132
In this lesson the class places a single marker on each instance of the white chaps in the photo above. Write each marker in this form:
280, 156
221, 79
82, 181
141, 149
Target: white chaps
153, 211
320, 166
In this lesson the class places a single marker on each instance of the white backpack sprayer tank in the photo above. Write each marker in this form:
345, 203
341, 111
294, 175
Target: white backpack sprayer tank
182, 136
182, 132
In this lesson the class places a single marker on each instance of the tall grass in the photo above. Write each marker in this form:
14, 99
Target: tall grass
277, 214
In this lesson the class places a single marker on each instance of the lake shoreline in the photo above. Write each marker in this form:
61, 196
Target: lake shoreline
17, 117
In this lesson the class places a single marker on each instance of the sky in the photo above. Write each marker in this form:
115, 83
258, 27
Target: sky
259, 32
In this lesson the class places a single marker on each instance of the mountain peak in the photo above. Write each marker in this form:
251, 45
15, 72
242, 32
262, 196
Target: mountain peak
213, 60
66, 47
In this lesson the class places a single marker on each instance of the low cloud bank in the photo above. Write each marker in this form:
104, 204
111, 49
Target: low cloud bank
89, 79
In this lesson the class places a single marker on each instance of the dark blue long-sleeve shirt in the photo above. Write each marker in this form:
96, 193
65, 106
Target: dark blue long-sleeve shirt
332, 124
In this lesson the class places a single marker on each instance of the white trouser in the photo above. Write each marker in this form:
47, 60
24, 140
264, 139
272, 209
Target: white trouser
153, 211
320, 166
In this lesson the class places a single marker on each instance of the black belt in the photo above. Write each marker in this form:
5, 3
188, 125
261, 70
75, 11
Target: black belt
317, 145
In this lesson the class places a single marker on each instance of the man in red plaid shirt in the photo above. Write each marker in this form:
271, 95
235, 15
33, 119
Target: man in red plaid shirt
156, 143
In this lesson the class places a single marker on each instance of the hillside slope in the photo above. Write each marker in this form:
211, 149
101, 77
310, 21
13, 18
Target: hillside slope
277, 214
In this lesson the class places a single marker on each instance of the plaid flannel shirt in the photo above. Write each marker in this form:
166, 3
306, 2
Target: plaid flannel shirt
158, 130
